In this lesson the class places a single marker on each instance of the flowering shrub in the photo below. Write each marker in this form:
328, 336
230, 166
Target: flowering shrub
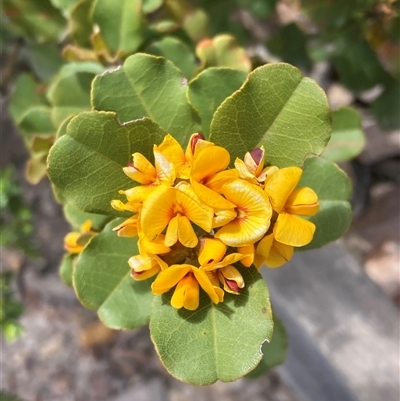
191, 188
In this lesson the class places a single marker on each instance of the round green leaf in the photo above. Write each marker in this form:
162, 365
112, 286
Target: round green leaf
176, 51
150, 6
27, 94
278, 108
348, 138
210, 88
86, 163
66, 268
215, 342
70, 91
37, 121
77, 217
333, 188
147, 86
274, 352
103, 282
121, 24
80, 23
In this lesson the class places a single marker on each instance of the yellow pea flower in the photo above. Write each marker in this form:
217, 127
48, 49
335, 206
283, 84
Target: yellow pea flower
187, 279
213, 262
289, 202
174, 209
252, 168
143, 172
207, 176
75, 242
253, 214
148, 263
272, 253
182, 161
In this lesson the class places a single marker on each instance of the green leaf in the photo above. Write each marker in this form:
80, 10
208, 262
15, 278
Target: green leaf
215, 342
45, 60
333, 188
26, 95
86, 164
102, 281
66, 268
148, 86
358, 66
386, 107
121, 24
210, 88
348, 138
149, 6
274, 352
290, 44
81, 25
278, 108
37, 120
70, 91
176, 51
36, 20
223, 51
77, 217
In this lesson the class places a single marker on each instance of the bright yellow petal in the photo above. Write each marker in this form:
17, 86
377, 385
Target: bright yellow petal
266, 172
253, 214
263, 250
279, 255
121, 207
302, 201
156, 246
171, 236
293, 230
249, 251
212, 250
210, 197
128, 228
86, 226
173, 151
186, 293
143, 267
70, 243
141, 170
158, 210
229, 259
242, 169
196, 143
208, 162
223, 217
216, 182
280, 185
205, 283
194, 211
186, 234
165, 169
169, 277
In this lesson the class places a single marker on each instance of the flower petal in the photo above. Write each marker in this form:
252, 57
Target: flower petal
243, 170
302, 201
231, 278
248, 253
212, 251
253, 214
165, 169
216, 294
158, 210
223, 217
186, 234
141, 170
293, 230
156, 246
171, 236
169, 277
280, 185
186, 293
263, 250
208, 162
279, 254
216, 182
210, 197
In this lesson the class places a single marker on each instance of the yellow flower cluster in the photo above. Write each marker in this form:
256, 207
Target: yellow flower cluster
195, 218
75, 242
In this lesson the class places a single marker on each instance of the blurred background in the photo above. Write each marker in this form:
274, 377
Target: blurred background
55, 350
